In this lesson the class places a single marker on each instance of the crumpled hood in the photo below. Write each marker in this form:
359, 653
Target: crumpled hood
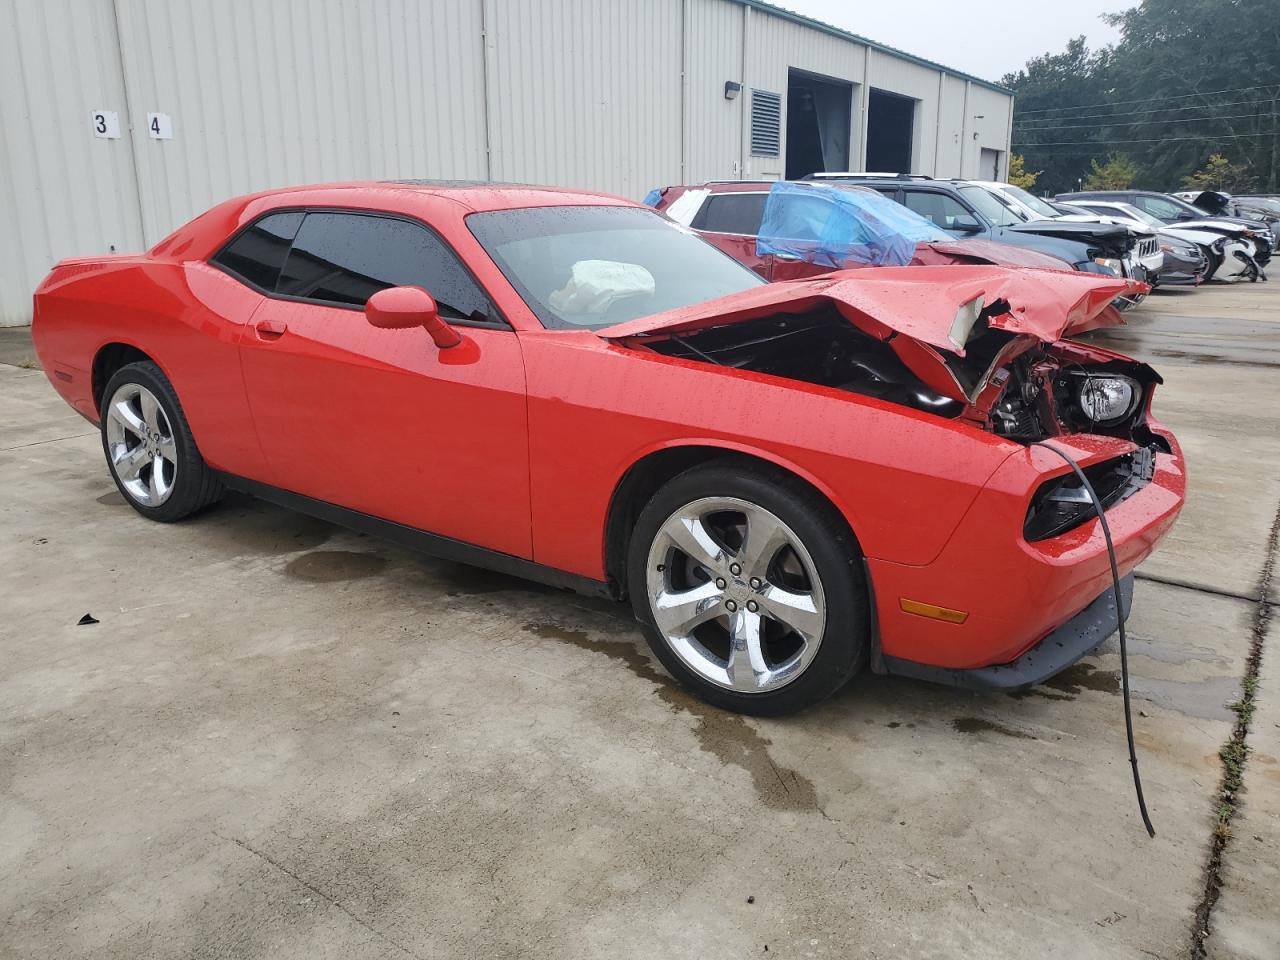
989, 251
1116, 236
937, 305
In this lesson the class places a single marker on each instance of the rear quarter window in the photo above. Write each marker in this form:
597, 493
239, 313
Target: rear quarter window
257, 254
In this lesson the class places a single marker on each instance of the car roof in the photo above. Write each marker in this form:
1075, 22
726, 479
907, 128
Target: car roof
427, 199
476, 195
904, 179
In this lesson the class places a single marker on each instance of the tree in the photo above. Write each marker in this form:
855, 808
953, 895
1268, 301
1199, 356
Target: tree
1116, 174
1048, 87
1194, 77
1186, 79
1221, 174
1018, 174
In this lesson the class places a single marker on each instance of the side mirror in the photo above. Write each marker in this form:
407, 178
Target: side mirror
966, 224
399, 308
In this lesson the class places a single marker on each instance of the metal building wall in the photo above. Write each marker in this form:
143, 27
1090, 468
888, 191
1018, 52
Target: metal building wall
990, 116
950, 125
774, 46
714, 56
585, 94
267, 94
63, 192
618, 96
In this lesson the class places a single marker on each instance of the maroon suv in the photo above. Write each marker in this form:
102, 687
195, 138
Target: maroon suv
729, 213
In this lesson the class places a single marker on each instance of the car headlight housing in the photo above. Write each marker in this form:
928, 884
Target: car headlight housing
1115, 266
1106, 398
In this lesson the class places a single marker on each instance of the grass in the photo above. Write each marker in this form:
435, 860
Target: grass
1234, 755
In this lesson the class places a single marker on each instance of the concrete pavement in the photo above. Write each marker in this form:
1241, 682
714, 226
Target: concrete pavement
284, 739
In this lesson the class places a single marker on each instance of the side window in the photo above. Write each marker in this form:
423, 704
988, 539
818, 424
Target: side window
938, 207
731, 213
345, 258
1160, 209
258, 253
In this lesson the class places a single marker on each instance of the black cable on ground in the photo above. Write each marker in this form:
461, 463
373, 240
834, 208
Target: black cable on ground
1120, 616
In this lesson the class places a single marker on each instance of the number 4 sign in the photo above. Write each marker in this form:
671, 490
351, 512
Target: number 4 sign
159, 126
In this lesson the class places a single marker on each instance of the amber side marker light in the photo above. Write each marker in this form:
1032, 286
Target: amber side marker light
932, 611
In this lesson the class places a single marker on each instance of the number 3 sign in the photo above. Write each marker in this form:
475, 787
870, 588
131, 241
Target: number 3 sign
105, 124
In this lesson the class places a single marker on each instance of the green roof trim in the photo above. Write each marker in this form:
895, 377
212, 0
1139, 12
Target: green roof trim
785, 14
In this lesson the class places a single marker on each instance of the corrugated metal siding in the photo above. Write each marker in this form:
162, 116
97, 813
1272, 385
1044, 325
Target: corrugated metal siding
992, 130
620, 96
63, 192
773, 47
714, 44
586, 94
294, 91
950, 128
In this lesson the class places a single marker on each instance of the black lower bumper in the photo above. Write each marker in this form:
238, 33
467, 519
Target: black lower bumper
1180, 279
1076, 638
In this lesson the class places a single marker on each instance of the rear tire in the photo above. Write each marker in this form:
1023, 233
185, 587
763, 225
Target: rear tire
149, 448
750, 588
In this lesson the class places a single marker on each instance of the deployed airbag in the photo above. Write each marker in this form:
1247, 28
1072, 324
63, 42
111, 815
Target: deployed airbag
595, 285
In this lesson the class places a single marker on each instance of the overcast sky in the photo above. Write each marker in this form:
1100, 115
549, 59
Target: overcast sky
987, 38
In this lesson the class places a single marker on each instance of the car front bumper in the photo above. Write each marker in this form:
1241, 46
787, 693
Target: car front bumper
1180, 270
1076, 638
1012, 592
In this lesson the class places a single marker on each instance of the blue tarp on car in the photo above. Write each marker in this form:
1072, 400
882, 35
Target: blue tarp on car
836, 226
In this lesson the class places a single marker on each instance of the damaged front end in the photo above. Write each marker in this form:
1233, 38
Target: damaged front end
982, 345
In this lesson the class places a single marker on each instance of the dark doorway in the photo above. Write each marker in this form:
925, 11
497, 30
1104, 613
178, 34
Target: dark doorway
818, 112
891, 121
989, 164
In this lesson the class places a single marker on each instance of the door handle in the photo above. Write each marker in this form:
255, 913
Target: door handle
270, 329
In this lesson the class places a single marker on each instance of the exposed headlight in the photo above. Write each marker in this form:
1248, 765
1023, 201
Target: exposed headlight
1107, 399
1115, 266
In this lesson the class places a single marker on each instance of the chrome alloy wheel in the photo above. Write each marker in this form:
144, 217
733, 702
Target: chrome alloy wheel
140, 445
736, 594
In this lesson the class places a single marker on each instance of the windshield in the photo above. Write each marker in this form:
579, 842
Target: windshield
992, 206
591, 267
1030, 201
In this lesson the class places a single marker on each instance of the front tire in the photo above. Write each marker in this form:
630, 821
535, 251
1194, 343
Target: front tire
749, 588
149, 448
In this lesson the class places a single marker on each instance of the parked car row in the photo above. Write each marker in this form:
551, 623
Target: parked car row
1155, 238
1237, 247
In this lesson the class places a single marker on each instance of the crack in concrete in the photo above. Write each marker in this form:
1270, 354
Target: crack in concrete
265, 858
1234, 754
37, 443
1197, 587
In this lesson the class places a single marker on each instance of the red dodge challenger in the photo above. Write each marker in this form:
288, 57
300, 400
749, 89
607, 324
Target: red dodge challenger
788, 480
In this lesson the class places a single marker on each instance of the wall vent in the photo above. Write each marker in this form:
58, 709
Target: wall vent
766, 123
